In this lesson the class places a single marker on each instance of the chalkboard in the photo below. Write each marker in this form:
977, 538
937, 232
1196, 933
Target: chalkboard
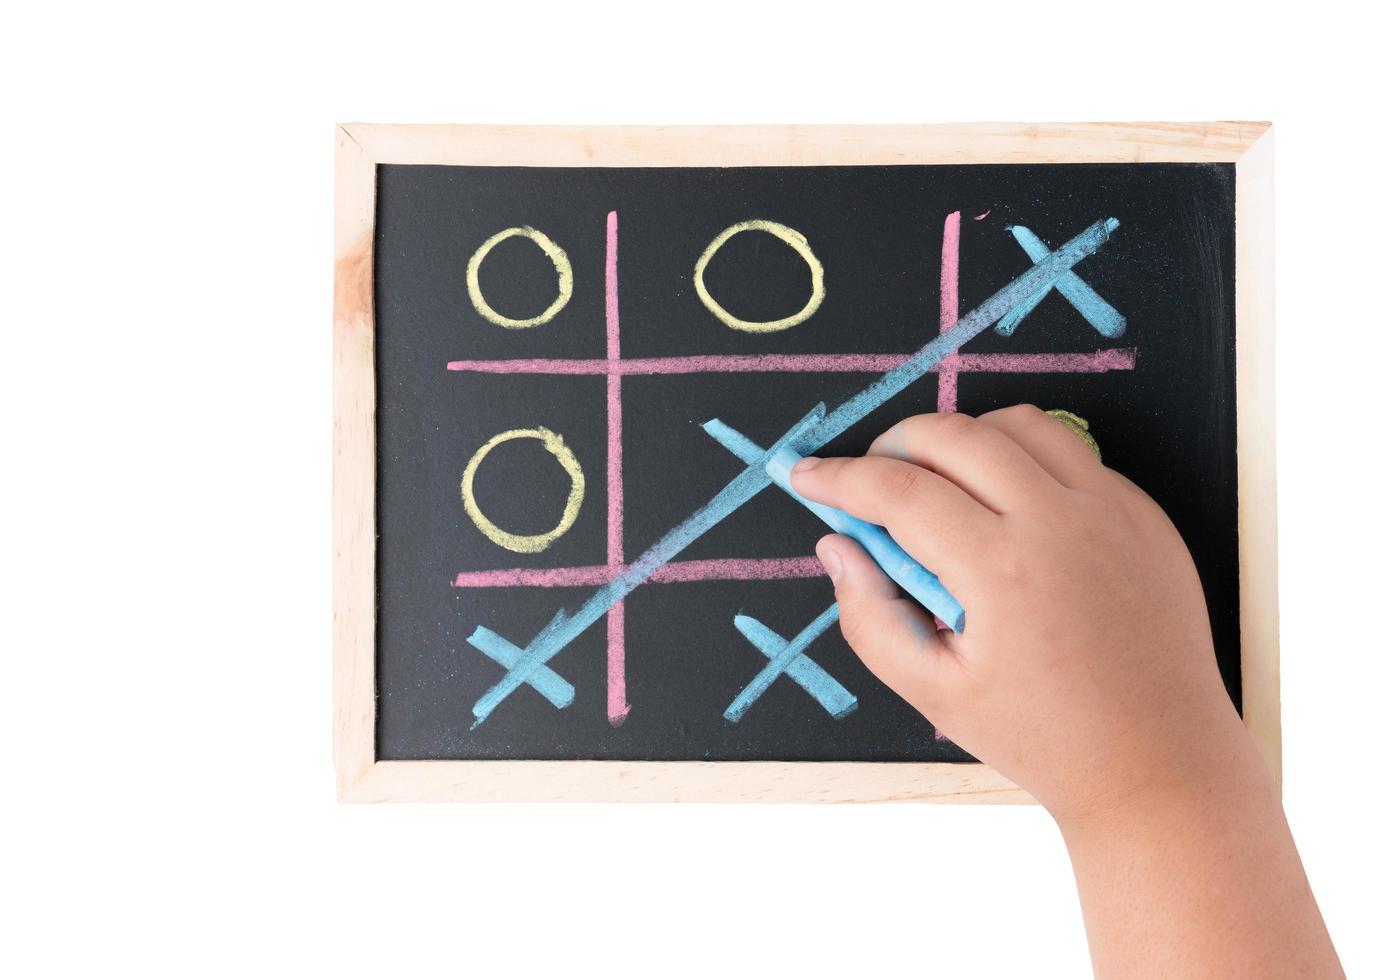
548, 342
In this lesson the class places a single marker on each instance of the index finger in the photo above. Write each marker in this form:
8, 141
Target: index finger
939, 524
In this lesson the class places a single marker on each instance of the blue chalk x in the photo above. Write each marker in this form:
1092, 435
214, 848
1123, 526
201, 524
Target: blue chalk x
900, 567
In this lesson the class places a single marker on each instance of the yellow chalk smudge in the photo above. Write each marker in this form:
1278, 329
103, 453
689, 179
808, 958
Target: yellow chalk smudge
1077, 425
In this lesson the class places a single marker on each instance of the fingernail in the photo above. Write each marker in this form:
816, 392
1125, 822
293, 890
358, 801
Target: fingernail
808, 463
833, 564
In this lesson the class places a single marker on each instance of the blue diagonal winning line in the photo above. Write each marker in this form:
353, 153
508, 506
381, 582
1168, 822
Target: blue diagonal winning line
811, 432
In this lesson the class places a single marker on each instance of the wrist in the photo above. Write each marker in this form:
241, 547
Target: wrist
1221, 782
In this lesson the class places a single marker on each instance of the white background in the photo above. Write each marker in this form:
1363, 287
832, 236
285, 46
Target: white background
166, 401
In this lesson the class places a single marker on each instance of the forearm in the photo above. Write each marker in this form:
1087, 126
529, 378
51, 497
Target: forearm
1199, 879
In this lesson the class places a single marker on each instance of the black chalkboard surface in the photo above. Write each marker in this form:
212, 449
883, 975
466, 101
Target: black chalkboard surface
540, 397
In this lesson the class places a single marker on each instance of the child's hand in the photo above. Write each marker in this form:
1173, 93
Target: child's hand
1085, 672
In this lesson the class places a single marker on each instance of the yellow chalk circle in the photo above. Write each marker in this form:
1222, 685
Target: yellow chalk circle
550, 248
792, 238
525, 543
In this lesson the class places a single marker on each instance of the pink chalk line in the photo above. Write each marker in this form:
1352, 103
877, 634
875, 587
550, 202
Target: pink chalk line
1113, 359
616, 705
947, 375
707, 570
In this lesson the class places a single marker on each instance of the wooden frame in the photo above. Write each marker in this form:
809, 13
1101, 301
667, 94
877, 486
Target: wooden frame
361, 147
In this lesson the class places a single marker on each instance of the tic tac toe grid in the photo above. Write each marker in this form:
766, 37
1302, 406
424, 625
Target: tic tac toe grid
785, 657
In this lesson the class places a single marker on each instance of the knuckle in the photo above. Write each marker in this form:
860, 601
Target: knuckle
1014, 565
954, 425
902, 482
1015, 570
918, 422
853, 625
1025, 410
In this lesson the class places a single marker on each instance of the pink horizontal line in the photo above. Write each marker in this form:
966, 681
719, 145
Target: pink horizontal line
1115, 359
711, 570
1119, 359
697, 364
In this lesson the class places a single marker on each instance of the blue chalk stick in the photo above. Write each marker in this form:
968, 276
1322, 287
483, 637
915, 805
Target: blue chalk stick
900, 567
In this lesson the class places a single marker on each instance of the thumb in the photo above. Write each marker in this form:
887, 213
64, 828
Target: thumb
894, 637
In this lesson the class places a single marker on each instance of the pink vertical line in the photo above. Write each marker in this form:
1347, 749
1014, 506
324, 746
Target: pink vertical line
615, 501
616, 706
947, 376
